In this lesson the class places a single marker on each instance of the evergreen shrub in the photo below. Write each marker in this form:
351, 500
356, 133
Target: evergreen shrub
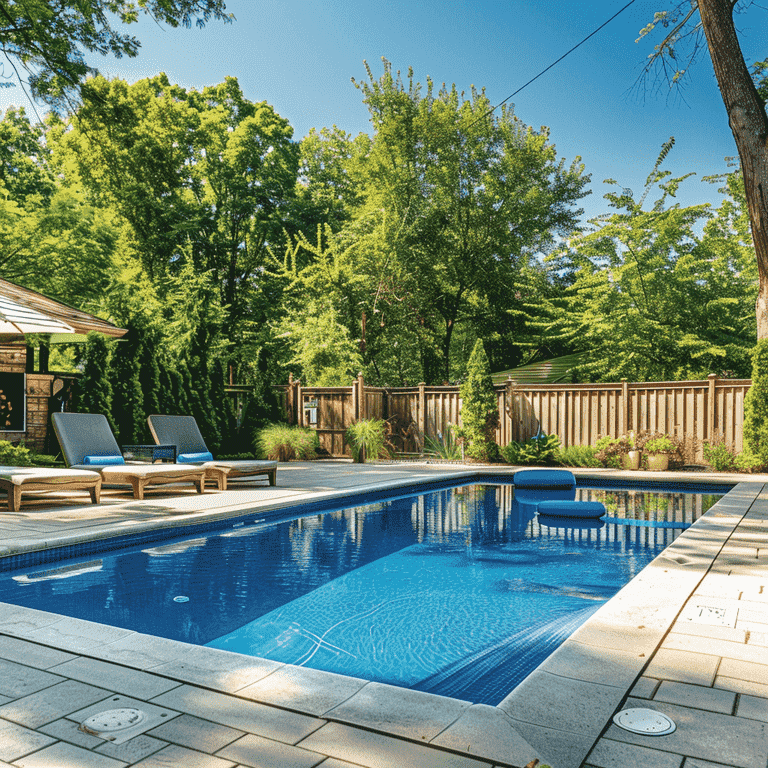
539, 450
578, 456
479, 408
15, 455
756, 405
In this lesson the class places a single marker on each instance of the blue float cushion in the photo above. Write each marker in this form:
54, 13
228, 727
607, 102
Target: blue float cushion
583, 509
194, 458
544, 478
104, 461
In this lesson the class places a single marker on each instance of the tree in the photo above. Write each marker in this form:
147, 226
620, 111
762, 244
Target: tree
47, 38
756, 405
745, 106
479, 407
652, 297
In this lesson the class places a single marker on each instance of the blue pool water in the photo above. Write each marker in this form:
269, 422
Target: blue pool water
455, 592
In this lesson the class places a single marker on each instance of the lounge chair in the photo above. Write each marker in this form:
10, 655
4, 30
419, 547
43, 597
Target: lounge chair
183, 432
87, 443
17, 480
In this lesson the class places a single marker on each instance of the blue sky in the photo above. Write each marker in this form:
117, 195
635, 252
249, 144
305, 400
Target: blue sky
299, 56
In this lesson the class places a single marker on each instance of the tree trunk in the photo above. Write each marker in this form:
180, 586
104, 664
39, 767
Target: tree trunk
749, 124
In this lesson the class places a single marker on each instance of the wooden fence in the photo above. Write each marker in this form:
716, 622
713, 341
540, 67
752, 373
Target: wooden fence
578, 413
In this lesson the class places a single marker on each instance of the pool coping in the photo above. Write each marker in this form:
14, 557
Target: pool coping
599, 664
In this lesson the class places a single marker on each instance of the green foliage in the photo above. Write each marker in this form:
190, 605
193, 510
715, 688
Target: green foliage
650, 296
539, 450
47, 39
15, 455
659, 445
444, 447
280, 442
479, 409
719, 457
93, 391
749, 462
756, 405
578, 456
366, 439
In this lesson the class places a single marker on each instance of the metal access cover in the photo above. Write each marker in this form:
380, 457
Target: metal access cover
644, 721
715, 615
116, 725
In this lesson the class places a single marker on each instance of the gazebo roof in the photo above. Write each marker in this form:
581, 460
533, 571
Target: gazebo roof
27, 309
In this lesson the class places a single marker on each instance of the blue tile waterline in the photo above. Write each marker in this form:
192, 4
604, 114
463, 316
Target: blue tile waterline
471, 633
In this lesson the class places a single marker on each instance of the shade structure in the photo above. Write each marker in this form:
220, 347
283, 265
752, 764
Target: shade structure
23, 311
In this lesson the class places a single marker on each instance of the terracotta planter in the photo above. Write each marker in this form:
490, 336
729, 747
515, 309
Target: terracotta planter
657, 462
631, 460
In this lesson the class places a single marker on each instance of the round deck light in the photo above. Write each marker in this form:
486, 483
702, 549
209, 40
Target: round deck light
647, 722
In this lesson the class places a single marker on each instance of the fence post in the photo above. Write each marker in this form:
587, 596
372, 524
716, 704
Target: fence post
422, 414
361, 395
509, 415
624, 407
712, 379
299, 404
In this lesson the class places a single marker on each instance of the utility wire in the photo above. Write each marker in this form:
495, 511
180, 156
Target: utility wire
591, 34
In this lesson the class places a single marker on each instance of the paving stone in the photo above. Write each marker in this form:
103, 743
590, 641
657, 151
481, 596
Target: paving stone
330, 762
133, 750
131, 682
731, 634
16, 741
67, 730
753, 707
741, 686
258, 752
644, 688
744, 670
77, 635
616, 754
248, 716
300, 688
31, 654
695, 762
52, 703
710, 645
574, 705
154, 715
221, 670
706, 735
63, 755
18, 621
140, 651
560, 749
697, 668
712, 699
488, 733
374, 750
198, 734
174, 756
399, 711
17, 680
758, 638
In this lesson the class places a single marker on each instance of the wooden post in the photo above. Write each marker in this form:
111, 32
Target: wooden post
299, 402
422, 414
509, 414
712, 380
361, 395
624, 407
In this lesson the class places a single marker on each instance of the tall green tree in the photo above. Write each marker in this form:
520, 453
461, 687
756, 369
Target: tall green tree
48, 39
479, 407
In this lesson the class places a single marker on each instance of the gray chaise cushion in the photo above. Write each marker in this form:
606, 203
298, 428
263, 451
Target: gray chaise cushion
84, 434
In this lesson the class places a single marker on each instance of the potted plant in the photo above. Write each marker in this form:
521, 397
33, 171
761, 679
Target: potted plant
618, 452
630, 459
657, 452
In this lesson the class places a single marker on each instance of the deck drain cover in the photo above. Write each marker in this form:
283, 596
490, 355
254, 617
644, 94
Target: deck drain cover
645, 721
112, 724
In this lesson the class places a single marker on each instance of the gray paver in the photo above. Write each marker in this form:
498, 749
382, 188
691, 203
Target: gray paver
711, 645
67, 730
63, 755
300, 688
606, 666
258, 752
616, 754
131, 682
31, 654
695, 762
77, 635
560, 749
16, 741
192, 732
133, 750
644, 688
248, 716
52, 703
174, 756
705, 735
741, 686
374, 750
399, 711
697, 668
753, 707
744, 670
17, 680
712, 699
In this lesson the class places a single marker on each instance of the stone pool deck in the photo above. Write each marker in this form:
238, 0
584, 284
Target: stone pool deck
687, 637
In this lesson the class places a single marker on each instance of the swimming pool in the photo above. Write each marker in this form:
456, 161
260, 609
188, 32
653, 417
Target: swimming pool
451, 592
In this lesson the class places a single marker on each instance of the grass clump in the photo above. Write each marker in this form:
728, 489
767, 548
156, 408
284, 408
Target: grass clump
578, 456
443, 446
281, 442
366, 439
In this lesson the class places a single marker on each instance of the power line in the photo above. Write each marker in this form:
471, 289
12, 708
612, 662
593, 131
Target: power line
591, 34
